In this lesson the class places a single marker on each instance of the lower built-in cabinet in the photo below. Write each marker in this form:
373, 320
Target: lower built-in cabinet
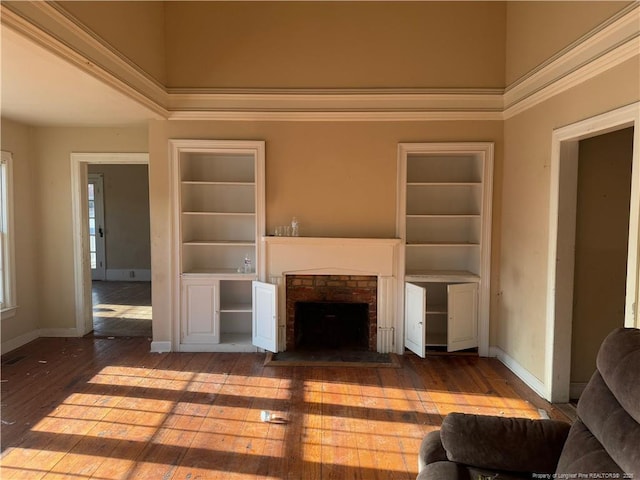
227, 314
441, 314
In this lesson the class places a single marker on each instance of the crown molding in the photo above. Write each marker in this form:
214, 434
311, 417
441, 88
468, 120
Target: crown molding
47, 24
336, 104
610, 44
335, 116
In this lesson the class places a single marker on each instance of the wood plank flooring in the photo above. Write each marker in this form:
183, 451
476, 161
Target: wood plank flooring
107, 409
121, 309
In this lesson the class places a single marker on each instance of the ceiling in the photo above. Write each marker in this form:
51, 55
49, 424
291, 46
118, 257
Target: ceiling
42, 89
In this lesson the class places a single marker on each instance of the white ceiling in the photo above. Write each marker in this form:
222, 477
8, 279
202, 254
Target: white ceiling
40, 88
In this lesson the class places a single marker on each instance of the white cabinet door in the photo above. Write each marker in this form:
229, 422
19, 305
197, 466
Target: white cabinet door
414, 318
200, 312
462, 325
265, 316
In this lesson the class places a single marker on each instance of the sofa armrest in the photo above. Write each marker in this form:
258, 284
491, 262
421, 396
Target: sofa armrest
431, 450
498, 443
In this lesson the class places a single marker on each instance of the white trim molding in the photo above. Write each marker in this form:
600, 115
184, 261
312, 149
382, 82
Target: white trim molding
336, 104
160, 347
606, 46
82, 269
128, 275
525, 375
561, 247
19, 341
84, 50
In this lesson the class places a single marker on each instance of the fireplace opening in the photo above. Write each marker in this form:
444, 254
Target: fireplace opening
331, 325
330, 305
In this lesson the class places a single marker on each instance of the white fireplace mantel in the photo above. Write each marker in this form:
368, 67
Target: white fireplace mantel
281, 256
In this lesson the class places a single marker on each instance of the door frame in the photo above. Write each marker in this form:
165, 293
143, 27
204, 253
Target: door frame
80, 220
562, 228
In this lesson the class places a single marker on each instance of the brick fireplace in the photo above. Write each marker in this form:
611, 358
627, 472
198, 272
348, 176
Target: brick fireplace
334, 270
327, 292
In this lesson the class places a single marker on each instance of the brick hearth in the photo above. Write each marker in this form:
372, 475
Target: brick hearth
332, 288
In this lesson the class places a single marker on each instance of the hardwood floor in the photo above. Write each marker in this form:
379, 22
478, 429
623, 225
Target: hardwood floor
105, 408
121, 309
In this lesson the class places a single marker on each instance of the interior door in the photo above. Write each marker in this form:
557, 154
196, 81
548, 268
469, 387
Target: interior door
415, 308
265, 316
462, 324
95, 198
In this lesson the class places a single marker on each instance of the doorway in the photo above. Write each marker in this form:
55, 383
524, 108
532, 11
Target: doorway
562, 240
601, 246
117, 299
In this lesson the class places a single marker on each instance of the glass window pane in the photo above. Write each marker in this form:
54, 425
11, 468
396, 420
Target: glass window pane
92, 209
91, 194
92, 243
92, 226
93, 260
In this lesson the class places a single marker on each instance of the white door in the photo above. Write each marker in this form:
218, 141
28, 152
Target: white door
462, 324
200, 312
96, 226
415, 308
265, 316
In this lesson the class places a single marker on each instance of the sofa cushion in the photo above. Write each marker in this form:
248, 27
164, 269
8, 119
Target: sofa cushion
509, 444
610, 424
444, 470
583, 453
618, 362
431, 450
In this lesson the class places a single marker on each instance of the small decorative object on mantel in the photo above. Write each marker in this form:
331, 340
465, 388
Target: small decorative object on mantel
295, 227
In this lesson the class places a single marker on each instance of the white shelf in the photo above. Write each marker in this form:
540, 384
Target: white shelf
222, 273
237, 308
441, 276
200, 182
219, 214
443, 244
445, 184
229, 243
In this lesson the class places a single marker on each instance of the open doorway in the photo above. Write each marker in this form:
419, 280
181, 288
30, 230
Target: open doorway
602, 234
119, 303
562, 240
120, 249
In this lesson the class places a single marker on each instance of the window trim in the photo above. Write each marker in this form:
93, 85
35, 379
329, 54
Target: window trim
8, 254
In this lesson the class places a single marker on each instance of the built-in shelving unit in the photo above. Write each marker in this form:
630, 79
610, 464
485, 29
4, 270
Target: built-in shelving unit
444, 219
219, 215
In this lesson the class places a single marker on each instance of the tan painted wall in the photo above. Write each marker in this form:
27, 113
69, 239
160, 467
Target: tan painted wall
525, 207
338, 178
16, 138
335, 44
602, 232
134, 28
126, 205
52, 149
536, 31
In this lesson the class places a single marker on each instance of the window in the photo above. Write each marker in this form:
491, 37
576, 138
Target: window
7, 272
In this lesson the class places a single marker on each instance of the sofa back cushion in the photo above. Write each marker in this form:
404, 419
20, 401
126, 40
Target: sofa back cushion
609, 408
618, 362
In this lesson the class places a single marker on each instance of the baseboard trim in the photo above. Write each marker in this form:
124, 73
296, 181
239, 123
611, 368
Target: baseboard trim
160, 347
18, 342
22, 340
128, 275
576, 389
58, 332
522, 373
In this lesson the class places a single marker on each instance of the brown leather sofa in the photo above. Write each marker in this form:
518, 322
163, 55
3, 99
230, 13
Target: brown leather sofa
603, 443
